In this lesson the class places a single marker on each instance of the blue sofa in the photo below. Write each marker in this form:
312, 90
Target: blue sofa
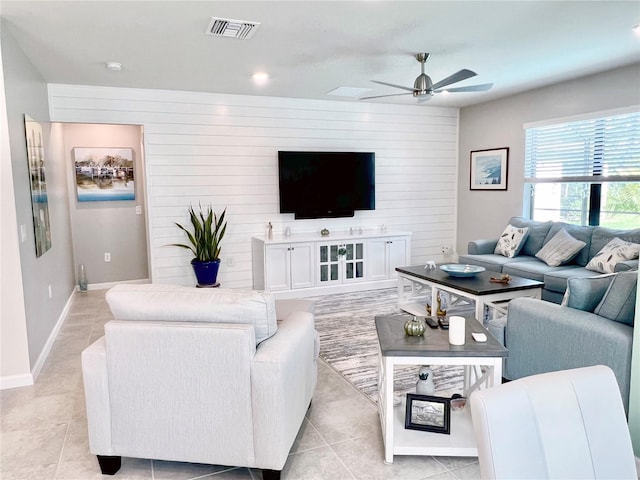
595, 327
525, 264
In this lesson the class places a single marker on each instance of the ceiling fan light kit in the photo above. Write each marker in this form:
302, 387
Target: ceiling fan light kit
423, 88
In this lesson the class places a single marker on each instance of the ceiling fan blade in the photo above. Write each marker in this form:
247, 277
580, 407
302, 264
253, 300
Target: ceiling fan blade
471, 88
380, 96
456, 77
411, 89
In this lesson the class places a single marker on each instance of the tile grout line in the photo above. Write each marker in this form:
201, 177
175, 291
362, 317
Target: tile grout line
327, 444
70, 419
64, 444
348, 382
342, 463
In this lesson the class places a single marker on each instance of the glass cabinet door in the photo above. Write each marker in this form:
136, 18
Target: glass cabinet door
329, 263
341, 262
354, 261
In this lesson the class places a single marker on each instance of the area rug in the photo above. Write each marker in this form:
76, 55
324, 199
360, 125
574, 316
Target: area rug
349, 344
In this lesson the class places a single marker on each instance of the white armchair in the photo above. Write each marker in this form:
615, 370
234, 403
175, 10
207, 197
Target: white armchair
565, 424
199, 375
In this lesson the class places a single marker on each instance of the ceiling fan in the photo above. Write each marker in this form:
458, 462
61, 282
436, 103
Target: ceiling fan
424, 88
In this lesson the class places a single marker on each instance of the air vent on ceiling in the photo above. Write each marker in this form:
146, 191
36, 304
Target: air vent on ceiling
226, 27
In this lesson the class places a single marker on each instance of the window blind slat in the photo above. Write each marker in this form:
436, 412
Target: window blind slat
605, 148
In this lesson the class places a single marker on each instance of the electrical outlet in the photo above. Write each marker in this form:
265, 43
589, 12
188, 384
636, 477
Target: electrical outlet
444, 249
138, 210
229, 261
107, 257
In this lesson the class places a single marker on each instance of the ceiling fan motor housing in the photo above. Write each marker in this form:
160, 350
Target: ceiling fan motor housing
422, 86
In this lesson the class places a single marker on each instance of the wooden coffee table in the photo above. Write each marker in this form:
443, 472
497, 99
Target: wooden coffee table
433, 348
478, 288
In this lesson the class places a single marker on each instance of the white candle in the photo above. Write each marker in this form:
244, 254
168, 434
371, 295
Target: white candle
456, 330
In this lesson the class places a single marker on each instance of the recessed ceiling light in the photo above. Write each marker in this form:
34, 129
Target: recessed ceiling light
260, 78
113, 66
636, 30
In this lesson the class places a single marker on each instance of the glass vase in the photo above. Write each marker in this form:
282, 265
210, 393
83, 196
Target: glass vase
82, 278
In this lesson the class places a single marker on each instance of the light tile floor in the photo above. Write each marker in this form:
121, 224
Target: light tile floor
43, 428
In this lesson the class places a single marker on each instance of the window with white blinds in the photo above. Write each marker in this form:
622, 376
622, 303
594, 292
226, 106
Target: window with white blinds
603, 149
585, 171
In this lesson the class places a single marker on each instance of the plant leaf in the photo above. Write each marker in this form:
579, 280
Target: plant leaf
208, 231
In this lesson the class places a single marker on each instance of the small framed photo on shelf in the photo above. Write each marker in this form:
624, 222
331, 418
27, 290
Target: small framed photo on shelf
489, 169
427, 413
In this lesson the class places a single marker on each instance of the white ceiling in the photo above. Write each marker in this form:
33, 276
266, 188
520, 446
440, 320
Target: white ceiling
311, 47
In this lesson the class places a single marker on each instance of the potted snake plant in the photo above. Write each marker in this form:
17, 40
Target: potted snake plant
207, 232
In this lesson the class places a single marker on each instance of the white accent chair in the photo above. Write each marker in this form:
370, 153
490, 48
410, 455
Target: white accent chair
565, 424
200, 375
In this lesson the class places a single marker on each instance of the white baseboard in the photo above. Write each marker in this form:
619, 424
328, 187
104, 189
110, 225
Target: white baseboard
35, 371
15, 381
24, 380
104, 286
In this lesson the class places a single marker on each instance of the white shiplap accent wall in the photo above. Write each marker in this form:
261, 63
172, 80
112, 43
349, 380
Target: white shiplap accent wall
222, 150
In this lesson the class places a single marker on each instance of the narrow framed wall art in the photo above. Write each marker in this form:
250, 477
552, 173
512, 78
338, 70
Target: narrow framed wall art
38, 182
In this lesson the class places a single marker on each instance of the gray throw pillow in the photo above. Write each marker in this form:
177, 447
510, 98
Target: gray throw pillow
586, 293
560, 249
619, 302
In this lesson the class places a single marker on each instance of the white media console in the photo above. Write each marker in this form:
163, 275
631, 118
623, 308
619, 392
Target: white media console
311, 264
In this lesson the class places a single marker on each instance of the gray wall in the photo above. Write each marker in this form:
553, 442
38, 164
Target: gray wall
14, 351
500, 124
484, 214
26, 93
113, 227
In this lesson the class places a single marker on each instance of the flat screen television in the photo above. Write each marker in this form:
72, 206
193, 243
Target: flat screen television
326, 184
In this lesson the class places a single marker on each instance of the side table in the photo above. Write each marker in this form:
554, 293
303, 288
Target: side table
396, 348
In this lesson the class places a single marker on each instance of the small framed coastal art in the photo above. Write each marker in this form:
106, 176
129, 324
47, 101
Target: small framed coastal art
104, 174
428, 413
489, 169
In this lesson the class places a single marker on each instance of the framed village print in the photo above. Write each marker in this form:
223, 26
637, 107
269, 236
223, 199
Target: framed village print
104, 174
489, 169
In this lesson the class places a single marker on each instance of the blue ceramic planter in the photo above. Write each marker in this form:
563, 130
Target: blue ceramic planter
206, 272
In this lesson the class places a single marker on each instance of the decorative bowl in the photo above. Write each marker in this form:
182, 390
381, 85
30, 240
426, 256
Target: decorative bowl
459, 270
458, 403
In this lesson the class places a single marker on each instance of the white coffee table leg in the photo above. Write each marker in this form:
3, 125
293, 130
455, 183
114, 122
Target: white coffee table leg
479, 310
434, 300
388, 409
400, 291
